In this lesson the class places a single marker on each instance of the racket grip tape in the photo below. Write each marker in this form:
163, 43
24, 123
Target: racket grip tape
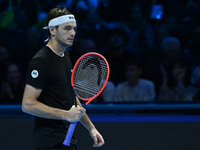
69, 134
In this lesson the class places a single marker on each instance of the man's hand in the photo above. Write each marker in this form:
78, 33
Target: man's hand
75, 113
98, 139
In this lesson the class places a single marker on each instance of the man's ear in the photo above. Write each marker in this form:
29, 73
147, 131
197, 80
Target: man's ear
52, 30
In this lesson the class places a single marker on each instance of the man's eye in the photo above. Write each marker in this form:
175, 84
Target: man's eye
67, 28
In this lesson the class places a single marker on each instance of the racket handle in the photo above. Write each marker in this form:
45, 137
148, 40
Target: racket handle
69, 134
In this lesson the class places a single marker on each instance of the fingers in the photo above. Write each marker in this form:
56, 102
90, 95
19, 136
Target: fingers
76, 113
95, 141
98, 141
78, 108
81, 109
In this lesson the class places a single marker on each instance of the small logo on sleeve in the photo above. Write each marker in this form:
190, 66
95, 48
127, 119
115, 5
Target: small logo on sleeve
34, 73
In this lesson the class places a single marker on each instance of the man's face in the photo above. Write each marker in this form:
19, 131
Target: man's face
13, 74
3, 54
133, 73
172, 53
65, 33
177, 71
116, 40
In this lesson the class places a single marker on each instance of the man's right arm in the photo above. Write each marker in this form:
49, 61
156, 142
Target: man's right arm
32, 106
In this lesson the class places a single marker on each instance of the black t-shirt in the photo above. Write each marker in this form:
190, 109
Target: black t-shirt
52, 74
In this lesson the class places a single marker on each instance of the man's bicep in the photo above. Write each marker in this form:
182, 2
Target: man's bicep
37, 73
30, 94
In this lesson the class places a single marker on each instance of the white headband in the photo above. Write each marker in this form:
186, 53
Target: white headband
60, 20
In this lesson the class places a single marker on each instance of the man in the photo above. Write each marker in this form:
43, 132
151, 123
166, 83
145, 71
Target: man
48, 94
135, 89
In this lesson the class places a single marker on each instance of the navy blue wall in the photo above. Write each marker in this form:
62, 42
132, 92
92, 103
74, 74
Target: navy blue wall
136, 131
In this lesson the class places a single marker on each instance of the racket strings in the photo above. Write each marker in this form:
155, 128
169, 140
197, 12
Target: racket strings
87, 79
90, 76
87, 88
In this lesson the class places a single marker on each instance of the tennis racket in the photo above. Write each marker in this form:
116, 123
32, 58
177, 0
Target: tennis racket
89, 77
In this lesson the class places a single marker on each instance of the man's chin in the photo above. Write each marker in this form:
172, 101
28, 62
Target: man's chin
69, 44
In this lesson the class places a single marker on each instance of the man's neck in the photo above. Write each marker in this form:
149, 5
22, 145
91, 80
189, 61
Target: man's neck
56, 48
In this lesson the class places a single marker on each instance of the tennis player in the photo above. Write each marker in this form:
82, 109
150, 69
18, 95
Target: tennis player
48, 93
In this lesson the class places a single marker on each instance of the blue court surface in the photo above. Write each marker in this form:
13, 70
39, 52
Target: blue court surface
147, 126
146, 118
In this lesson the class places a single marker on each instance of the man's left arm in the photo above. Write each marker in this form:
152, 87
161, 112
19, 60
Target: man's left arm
97, 137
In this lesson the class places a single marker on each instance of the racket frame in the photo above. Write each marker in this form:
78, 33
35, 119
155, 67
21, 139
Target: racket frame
72, 76
73, 124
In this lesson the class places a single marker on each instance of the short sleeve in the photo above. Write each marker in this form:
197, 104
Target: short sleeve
37, 73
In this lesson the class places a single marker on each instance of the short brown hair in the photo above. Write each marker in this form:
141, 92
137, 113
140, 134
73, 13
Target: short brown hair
56, 12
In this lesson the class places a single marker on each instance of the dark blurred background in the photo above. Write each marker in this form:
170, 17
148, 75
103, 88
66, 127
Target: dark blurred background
152, 46
153, 49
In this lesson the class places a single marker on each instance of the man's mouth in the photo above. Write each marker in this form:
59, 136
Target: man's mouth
70, 40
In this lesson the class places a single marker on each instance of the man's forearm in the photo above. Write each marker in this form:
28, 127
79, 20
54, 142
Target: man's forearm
39, 109
32, 106
85, 120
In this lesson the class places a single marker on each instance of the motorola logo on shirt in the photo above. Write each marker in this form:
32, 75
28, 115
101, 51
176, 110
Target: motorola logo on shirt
34, 74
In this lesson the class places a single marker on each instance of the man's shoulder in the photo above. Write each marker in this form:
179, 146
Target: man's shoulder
122, 84
42, 53
40, 58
